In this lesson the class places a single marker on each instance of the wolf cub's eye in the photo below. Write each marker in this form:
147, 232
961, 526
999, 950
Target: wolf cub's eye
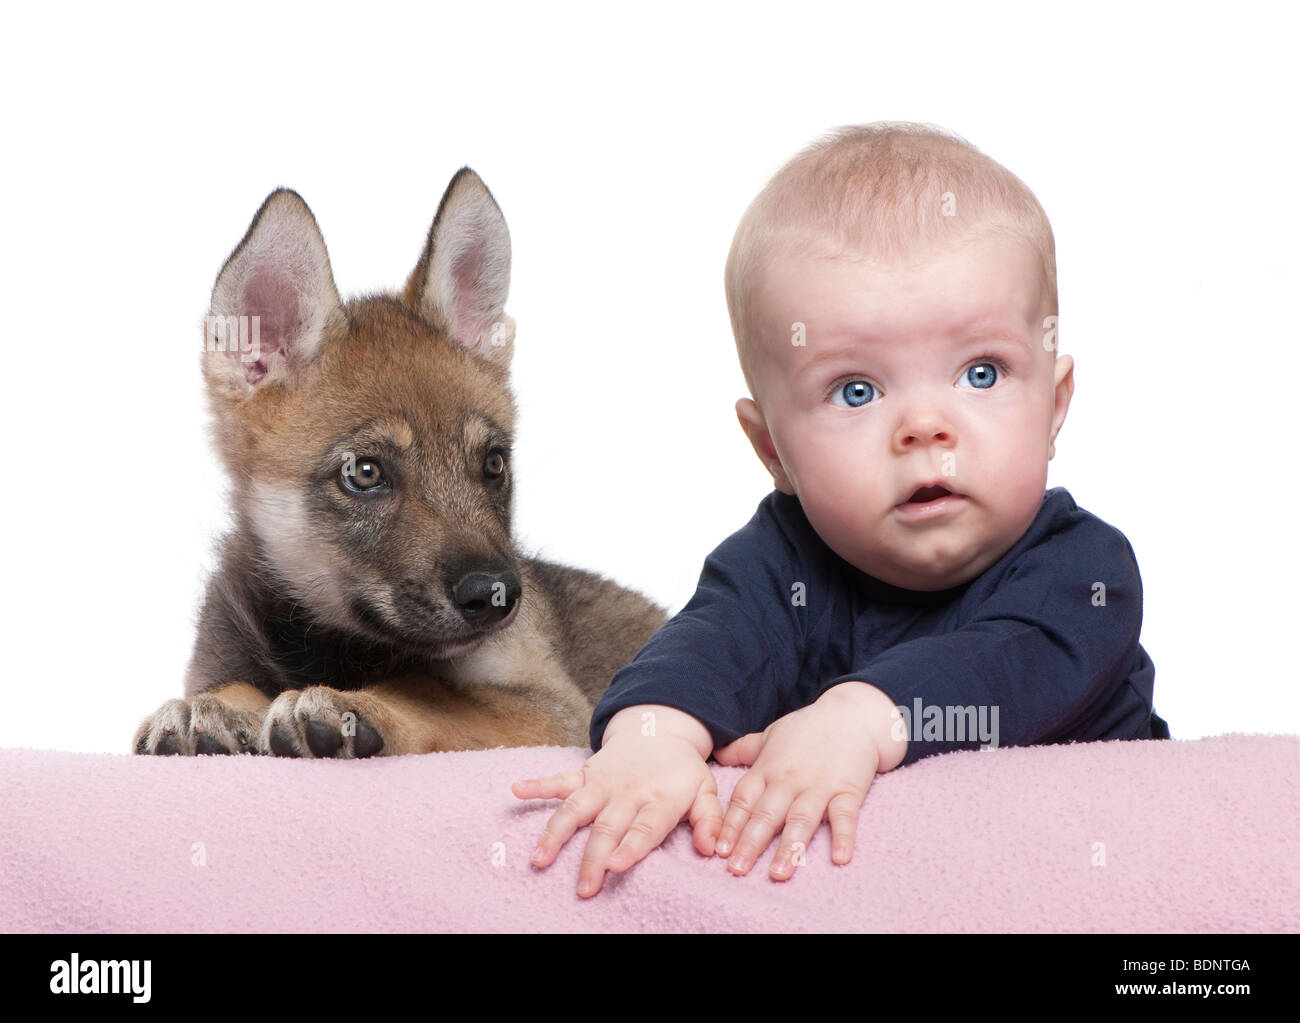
495, 463
363, 475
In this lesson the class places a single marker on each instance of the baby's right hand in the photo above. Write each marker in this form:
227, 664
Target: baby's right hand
636, 789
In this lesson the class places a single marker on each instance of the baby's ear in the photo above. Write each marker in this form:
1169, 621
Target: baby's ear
755, 427
1063, 392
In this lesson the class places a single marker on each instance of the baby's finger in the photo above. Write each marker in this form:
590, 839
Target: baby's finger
648, 828
607, 830
801, 823
742, 752
579, 808
843, 812
706, 820
744, 797
767, 816
551, 787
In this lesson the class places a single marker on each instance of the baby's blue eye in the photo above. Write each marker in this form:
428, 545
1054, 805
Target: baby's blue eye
855, 393
982, 375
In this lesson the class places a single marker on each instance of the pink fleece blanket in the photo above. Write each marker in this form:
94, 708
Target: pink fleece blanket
1194, 836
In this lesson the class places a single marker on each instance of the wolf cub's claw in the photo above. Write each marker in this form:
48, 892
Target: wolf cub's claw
322, 723
202, 724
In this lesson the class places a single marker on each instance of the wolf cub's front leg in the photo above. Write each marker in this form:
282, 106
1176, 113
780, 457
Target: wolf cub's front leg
418, 715
237, 718
414, 715
325, 723
227, 719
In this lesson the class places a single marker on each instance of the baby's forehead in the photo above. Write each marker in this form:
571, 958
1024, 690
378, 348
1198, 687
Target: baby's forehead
948, 294
987, 245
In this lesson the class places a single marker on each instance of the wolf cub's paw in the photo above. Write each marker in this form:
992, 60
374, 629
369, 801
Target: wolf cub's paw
325, 723
204, 723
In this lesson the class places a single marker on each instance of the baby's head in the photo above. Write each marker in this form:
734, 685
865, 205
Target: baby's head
892, 292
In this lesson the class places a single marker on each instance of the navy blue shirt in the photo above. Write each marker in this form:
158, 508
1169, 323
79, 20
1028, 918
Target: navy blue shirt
1043, 644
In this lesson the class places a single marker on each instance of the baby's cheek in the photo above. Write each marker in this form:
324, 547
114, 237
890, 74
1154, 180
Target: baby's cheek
840, 513
1017, 480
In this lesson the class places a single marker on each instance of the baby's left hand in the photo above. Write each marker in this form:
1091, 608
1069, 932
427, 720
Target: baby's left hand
815, 761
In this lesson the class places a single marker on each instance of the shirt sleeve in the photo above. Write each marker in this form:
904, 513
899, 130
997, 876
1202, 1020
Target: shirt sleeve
731, 656
1047, 652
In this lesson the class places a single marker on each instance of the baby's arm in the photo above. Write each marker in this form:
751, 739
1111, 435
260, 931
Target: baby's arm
649, 771
730, 658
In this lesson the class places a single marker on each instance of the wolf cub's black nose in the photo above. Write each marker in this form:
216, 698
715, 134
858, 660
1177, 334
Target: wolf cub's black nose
484, 598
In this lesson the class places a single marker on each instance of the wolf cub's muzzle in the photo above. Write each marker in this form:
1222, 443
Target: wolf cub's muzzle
484, 595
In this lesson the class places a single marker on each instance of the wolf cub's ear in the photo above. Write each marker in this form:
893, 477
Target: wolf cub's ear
463, 276
273, 300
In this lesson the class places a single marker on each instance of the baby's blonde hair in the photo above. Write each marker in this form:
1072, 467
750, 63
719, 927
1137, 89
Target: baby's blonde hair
885, 192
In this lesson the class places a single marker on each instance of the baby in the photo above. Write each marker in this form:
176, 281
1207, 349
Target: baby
909, 587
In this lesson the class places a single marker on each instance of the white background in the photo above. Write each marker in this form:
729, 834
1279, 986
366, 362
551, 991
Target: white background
623, 147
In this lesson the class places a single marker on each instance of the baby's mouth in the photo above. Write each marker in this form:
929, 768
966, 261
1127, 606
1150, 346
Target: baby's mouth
926, 494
